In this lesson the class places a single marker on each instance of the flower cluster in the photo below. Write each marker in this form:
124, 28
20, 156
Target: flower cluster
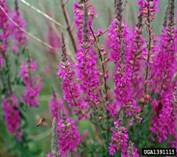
68, 136
88, 74
148, 8
18, 36
79, 11
16, 23
119, 140
163, 122
4, 30
4, 25
132, 150
69, 84
134, 63
126, 66
11, 114
32, 83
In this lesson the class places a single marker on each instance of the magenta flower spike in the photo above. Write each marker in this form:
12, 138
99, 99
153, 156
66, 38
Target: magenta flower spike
119, 140
86, 57
18, 36
121, 55
4, 25
32, 84
148, 8
78, 11
163, 122
4, 31
68, 136
69, 84
11, 114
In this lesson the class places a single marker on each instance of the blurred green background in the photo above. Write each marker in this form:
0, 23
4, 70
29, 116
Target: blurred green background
36, 24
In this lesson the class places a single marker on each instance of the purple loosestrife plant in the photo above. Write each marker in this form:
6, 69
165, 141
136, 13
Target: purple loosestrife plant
88, 74
163, 122
69, 84
143, 82
86, 64
122, 111
118, 36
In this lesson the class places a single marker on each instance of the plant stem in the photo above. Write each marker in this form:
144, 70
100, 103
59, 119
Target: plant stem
149, 29
8, 75
68, 26
102, 65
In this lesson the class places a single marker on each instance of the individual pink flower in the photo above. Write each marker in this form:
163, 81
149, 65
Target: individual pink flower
11, 114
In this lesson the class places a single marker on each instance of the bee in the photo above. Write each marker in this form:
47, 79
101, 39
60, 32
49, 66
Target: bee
41, 122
